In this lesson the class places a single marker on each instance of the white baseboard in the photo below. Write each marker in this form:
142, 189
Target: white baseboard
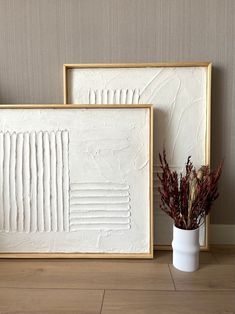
222, 234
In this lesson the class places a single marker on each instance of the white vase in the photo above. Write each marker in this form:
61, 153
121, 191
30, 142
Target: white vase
186, 248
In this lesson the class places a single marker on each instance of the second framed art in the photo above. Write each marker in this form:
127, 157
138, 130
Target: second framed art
180, 94
76, 181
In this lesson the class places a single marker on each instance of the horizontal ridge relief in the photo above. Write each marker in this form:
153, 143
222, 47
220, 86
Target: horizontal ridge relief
100, 213
99, 200
99, 206
111, 227
108, 186
105, 207
102, 220
99, 193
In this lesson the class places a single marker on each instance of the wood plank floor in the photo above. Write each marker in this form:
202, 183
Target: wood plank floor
118, 286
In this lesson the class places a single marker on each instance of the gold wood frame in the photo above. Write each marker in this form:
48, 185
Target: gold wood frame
207, 65
148, 255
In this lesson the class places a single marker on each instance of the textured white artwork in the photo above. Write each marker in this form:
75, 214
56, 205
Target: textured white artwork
75, 180
179, 96
34, 188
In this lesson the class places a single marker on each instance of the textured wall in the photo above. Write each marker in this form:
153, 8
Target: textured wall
37, 37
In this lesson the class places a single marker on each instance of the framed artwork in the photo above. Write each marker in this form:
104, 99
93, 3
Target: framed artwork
76, 181
180, 94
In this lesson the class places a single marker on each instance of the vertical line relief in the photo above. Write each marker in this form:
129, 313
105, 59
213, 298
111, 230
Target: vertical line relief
34, 181
114, 96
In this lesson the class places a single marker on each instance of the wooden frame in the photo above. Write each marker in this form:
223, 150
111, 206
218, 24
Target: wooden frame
95, 255
207, 65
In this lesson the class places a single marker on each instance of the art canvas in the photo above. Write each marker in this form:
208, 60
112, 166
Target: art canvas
180, 94
75, 181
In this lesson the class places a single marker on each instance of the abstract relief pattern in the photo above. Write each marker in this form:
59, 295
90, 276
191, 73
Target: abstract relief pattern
114, 96
34, 187
100, 206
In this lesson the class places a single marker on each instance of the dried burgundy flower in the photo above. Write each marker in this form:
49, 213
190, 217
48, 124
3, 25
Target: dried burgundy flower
188, 198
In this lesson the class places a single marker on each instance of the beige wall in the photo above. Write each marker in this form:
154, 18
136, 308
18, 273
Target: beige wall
38, 36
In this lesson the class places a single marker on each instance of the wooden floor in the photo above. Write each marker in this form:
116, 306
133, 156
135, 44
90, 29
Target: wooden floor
118, 286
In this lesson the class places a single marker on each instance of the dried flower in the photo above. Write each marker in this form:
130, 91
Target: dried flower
188, 198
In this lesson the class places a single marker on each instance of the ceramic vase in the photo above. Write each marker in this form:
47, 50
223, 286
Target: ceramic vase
186, 249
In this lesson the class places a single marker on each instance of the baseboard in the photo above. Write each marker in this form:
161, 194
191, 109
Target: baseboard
222, 234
